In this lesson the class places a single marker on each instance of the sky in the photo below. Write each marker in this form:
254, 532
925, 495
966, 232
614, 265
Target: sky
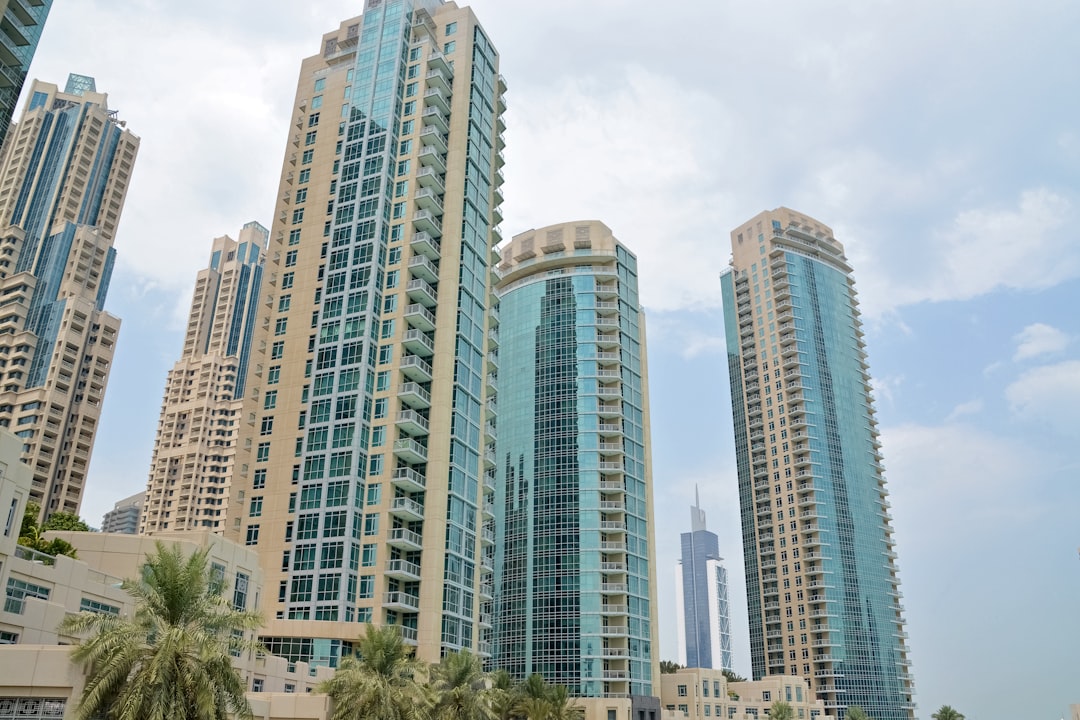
939, 140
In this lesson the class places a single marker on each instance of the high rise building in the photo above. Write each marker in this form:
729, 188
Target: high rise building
360, 463
822, 584
23, 21
124, 517
201, 412
574, 556
701, 598
63, 179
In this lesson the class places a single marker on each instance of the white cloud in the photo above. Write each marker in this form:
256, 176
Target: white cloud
1039, 339
972, 407
1049, 395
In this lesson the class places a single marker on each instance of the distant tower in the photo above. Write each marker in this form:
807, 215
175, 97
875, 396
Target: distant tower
701, 597
124, 517
188, 487
64, 175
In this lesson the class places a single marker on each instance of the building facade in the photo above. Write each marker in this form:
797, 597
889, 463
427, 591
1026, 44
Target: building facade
701, 598
361, 457
574, 556
822, 583
63, 179
125, 515
201, 413
20, 30
700, 693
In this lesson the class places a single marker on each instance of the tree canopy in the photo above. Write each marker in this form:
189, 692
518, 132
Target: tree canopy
171, 660
946, 712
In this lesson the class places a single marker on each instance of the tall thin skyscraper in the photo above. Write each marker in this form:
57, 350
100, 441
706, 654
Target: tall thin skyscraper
201, 413
701, 598
23, 21
575, 562
63, 179
359, 473
822, 584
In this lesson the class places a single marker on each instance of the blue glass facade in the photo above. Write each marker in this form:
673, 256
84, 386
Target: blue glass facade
573, 573
705, 633
23, 22
821, 578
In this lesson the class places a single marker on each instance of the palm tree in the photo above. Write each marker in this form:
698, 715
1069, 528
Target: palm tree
379, 682
781, 711
563, 706
460, 689
503, 695
172, 660
535, 708
947, 713
856, 713
668, 666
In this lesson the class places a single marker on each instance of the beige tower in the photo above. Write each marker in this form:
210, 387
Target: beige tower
63, 179
822, 584
362, 454
193, 461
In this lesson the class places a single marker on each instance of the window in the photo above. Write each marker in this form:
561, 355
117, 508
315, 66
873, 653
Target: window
240, 591
316, 102
313, 120
273, 375
256, 685
320, 84
449, 47
284, 303
682, 691
451, 28
262, 452
258, 480
277, 350
252, 535
95, 606
309, 139
287, 280
410, 89
307, 157
280, 325
290, 258
267, 425
409, 109
255, 509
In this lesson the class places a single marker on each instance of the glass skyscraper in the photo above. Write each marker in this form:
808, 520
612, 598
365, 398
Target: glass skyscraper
701, 598
20, 30
575, 576
360, 462
822, 583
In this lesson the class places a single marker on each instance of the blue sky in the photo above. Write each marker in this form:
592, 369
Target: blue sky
941, 141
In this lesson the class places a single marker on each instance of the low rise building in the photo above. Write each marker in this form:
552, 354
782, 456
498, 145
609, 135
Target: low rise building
124, 517
39, 680
705, 694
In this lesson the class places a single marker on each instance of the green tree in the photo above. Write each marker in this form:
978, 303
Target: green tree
945, 712
535, 708
32, 535
459, 689
379, 682
668, 667
781, 711
65, 521
856, 713
732, 676
172, 660
504, 695
563, 706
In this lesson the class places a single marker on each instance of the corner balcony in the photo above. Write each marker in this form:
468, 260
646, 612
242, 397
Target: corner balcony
432, 136
428, 199
435, 117
418, 370
403, 570
414, 396
408, 479
427, 221
405, 539
420, 291
407, 509
401, 601
418, 343
412, 423
410, 451
419, 317
421, 267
